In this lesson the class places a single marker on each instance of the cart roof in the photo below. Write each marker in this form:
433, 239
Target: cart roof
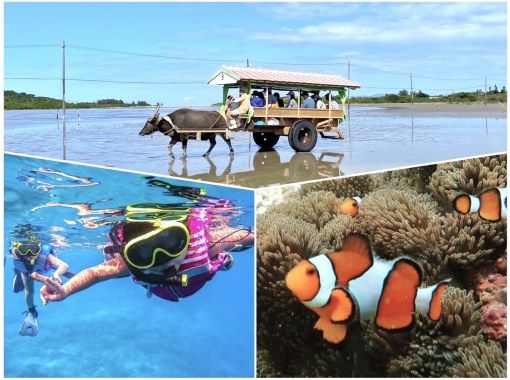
234, 76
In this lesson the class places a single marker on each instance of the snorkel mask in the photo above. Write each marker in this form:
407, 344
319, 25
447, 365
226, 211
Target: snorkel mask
27, 252
169, 241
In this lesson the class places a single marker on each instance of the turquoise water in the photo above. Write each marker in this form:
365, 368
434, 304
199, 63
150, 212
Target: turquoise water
112, 329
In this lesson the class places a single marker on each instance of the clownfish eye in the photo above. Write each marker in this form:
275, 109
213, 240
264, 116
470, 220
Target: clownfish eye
311, 271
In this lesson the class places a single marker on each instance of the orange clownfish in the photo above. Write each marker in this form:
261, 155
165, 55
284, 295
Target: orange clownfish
350, 206
352, 284
490, 205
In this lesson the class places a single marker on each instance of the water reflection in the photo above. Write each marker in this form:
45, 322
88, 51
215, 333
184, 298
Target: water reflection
265, 167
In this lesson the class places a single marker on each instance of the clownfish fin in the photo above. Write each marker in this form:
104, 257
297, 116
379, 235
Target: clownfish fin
396, 307
343, 305
333, 333
491, 205
463, 204
353, 260
435, 302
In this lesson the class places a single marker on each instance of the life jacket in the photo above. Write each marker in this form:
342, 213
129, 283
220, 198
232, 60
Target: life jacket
40, 265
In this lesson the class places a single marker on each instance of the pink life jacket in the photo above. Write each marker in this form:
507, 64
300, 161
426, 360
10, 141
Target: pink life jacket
196, 264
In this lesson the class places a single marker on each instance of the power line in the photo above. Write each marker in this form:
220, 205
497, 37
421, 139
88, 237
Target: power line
300, 64
30, 78
133, 82
30, 46
154, 55
105, 81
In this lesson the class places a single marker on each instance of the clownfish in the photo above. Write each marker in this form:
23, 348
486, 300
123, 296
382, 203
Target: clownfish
490, 205
353, 284
350, 206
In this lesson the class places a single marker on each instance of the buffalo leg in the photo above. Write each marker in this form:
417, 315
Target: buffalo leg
228, 143
171, 145
184, 147
212, 143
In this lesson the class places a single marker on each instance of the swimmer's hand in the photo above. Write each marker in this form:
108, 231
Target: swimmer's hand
51, 290
57, 278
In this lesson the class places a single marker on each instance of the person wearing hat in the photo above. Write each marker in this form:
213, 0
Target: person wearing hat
291, 100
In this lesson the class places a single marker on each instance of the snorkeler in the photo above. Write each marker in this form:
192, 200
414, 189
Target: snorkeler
33, 257
170, 251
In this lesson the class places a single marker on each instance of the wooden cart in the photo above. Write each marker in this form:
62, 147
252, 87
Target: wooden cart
301, 125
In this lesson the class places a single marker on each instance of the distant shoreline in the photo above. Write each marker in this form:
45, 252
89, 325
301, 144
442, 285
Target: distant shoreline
441, 109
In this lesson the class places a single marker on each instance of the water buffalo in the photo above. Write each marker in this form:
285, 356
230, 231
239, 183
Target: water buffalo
185, 118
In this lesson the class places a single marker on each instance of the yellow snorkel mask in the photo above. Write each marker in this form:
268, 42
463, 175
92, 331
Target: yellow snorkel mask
168, 241
27, 252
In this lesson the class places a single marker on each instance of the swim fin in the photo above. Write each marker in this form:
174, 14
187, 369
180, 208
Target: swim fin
17, 283
30, 326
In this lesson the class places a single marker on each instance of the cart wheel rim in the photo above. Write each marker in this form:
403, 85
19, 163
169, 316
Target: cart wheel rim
304, 137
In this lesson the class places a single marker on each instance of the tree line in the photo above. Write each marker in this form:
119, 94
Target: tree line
20, 100
404, 96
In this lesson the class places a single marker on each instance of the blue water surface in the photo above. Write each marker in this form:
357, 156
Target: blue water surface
112, 329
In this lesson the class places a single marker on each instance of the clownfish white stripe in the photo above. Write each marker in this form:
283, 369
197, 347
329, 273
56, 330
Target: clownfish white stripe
474, 204
503, 193
423, 298
327, 281
357, 199
368, 288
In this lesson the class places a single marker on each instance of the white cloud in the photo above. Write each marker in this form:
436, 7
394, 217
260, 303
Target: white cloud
394, 23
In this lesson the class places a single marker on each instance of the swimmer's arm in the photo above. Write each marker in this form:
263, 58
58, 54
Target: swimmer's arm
227, 238
60, 265
53, 291
105, 271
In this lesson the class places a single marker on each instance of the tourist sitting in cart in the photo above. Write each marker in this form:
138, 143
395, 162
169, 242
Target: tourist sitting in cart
291, 100
308, 102
257, 99
319, 103
243, 108
333, 104
279, 100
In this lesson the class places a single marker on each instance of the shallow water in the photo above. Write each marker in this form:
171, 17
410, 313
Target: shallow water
376, 139
112, 329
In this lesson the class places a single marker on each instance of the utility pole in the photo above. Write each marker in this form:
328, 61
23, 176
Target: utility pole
247, 62
64, 99
412, 94
348, 89
485, 92
64, 78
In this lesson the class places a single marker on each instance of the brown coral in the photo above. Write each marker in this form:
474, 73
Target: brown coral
467, 176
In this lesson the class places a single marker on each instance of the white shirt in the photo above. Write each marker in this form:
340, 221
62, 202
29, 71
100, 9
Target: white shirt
320, 104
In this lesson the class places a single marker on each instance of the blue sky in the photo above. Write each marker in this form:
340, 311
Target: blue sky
447, 46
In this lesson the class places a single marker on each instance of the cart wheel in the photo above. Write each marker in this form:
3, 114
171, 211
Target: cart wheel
266, 140
303, 136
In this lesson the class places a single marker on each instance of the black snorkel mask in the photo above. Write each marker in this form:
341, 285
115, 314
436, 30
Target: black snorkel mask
28, 252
